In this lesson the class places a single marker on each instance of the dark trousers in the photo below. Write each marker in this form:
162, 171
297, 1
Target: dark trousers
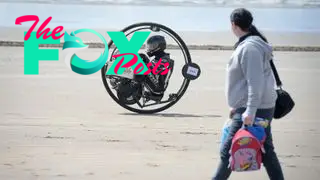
269, 159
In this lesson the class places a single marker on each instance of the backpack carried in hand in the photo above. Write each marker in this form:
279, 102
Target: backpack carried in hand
246, 150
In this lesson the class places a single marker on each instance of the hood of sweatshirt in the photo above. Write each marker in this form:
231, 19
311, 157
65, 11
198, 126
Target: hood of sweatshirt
264, 47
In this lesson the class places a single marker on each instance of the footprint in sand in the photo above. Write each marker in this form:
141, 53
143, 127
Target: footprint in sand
22, 162
152, 165
113, 140
57, 137
61, 175
8, 165
291, 166
197, 133
90, 174
166, 146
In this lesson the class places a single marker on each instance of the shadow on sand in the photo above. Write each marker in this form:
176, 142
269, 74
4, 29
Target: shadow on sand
172, 115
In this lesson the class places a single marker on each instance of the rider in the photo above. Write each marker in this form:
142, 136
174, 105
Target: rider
156, 83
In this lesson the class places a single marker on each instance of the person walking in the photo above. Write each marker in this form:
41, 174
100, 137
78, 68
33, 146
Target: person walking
250, 91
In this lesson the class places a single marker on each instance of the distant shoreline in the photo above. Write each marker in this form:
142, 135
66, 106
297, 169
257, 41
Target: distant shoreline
182, 4
190, 47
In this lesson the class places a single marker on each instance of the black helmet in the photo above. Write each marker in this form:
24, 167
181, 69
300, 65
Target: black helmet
156, 44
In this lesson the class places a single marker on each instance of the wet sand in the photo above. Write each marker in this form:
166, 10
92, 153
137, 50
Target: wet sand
61, 125
222, 38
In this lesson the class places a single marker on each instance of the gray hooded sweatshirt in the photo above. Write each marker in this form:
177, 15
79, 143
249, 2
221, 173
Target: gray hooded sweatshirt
250, 81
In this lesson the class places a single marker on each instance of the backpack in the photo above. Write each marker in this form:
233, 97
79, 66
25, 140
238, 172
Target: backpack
246, 149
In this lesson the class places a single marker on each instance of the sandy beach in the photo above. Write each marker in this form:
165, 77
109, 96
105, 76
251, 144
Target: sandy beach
61, 125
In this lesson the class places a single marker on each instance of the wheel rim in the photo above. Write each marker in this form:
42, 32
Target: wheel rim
183, 48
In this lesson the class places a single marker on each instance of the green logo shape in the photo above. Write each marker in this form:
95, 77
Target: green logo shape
33, 54
126, 46
74, 44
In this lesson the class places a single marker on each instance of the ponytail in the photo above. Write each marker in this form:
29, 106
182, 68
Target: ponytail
254, 31
243, 19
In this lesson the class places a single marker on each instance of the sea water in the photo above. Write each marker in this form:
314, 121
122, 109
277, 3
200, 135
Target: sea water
76, 14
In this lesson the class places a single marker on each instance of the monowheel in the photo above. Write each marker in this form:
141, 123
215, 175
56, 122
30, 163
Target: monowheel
135, 100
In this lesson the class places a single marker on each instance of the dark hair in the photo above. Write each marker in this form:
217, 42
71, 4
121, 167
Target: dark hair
243, 18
